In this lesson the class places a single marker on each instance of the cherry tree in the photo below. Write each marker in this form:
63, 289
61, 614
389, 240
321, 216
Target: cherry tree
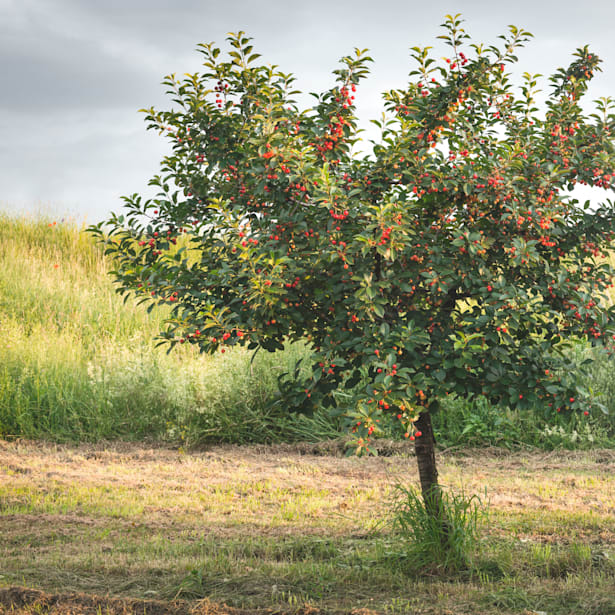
451, 260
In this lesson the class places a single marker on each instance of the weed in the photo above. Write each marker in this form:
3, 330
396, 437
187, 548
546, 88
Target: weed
444, 542
509, 597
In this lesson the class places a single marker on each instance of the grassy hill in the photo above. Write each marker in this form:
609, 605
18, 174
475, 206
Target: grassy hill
77, 363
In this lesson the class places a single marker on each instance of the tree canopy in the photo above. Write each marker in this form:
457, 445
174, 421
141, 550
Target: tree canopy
451, 260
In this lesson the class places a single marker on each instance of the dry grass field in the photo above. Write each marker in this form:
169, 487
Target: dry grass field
127, 528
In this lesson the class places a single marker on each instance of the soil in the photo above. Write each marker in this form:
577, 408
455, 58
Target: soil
23, 601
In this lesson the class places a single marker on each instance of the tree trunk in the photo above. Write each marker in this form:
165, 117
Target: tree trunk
426, 460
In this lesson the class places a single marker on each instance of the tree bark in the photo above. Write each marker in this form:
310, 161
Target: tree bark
426, 460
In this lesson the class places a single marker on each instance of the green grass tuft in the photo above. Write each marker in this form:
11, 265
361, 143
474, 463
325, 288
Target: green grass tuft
442, 543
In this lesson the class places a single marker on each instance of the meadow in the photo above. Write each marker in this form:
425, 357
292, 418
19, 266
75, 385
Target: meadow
179, 482
77, 363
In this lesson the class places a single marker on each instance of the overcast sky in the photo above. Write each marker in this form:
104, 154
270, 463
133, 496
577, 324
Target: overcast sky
75, 72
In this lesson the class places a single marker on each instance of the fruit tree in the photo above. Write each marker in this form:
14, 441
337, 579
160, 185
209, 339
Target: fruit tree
450, 260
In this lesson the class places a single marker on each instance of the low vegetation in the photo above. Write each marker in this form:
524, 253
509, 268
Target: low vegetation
79, 364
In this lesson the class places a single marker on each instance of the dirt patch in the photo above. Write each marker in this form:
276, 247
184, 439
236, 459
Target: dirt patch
24, 601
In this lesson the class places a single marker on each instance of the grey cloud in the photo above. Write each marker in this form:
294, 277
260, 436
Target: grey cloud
76, 71
66, 76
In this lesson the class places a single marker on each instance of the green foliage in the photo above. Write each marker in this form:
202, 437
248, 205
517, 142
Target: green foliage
449, 261
477, 423
440, 543
77, 364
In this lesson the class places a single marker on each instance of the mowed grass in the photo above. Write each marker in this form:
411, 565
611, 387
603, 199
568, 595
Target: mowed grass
269, 527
